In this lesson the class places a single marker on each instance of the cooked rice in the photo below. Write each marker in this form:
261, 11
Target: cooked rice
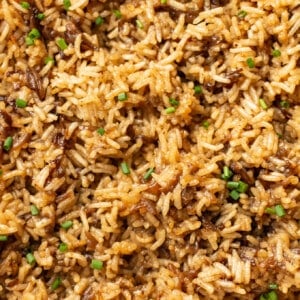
178, 234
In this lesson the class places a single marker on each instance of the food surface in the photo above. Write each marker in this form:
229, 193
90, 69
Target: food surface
150, 149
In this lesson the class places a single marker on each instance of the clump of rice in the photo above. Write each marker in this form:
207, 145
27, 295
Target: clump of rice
118, 153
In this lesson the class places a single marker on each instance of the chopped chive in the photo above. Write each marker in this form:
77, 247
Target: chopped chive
170, 110
8, 143
25, 5
67, 4
232, 185
29, 41
270, 210
30, 258
269, 296
163, 1
139, 24
34, 34
20, 103
242, 187
3, 238
99, 21
49, 59
279, 210
122, 96
273, 286
117, 13
276, 53
67, 224
63, 247
198, 90
34, 210
263, 104
272, 296
125, 169
242, 14
41, 16
148, 174
1, 172
205, 124
279, 135
173, 102
250, 62
227, 173
284, 104
235, 195
56, 283
101, 131
61, 43
96, 264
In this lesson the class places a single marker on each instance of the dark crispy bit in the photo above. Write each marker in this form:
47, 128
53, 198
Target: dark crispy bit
91, 241
34, 82
217, 3
233, 76
144, 206
188, 194
57, 167
49, 33
239, 169
21, 139
71, 32
59, 140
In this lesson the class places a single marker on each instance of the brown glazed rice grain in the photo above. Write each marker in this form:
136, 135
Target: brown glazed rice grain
179, 94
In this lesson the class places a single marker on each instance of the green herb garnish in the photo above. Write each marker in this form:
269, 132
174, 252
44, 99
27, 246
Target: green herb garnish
20, 103
67, 224
56, 283
242, 14
235, 195
148, 174
198, 90
96, 264
49, 59
30, 258
117, 13
41, 16
125, 168
61, 43
250, 62
170, 110
205, 124
34, 210
173, 102
63, 247
3, 238
263, 104
25, 5
284, 104
122, 96
227, 173
99, 21
67, 4
139, 24
276, 53
8, 143
101, 131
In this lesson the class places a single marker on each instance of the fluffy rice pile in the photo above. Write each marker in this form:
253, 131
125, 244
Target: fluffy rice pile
150, 149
